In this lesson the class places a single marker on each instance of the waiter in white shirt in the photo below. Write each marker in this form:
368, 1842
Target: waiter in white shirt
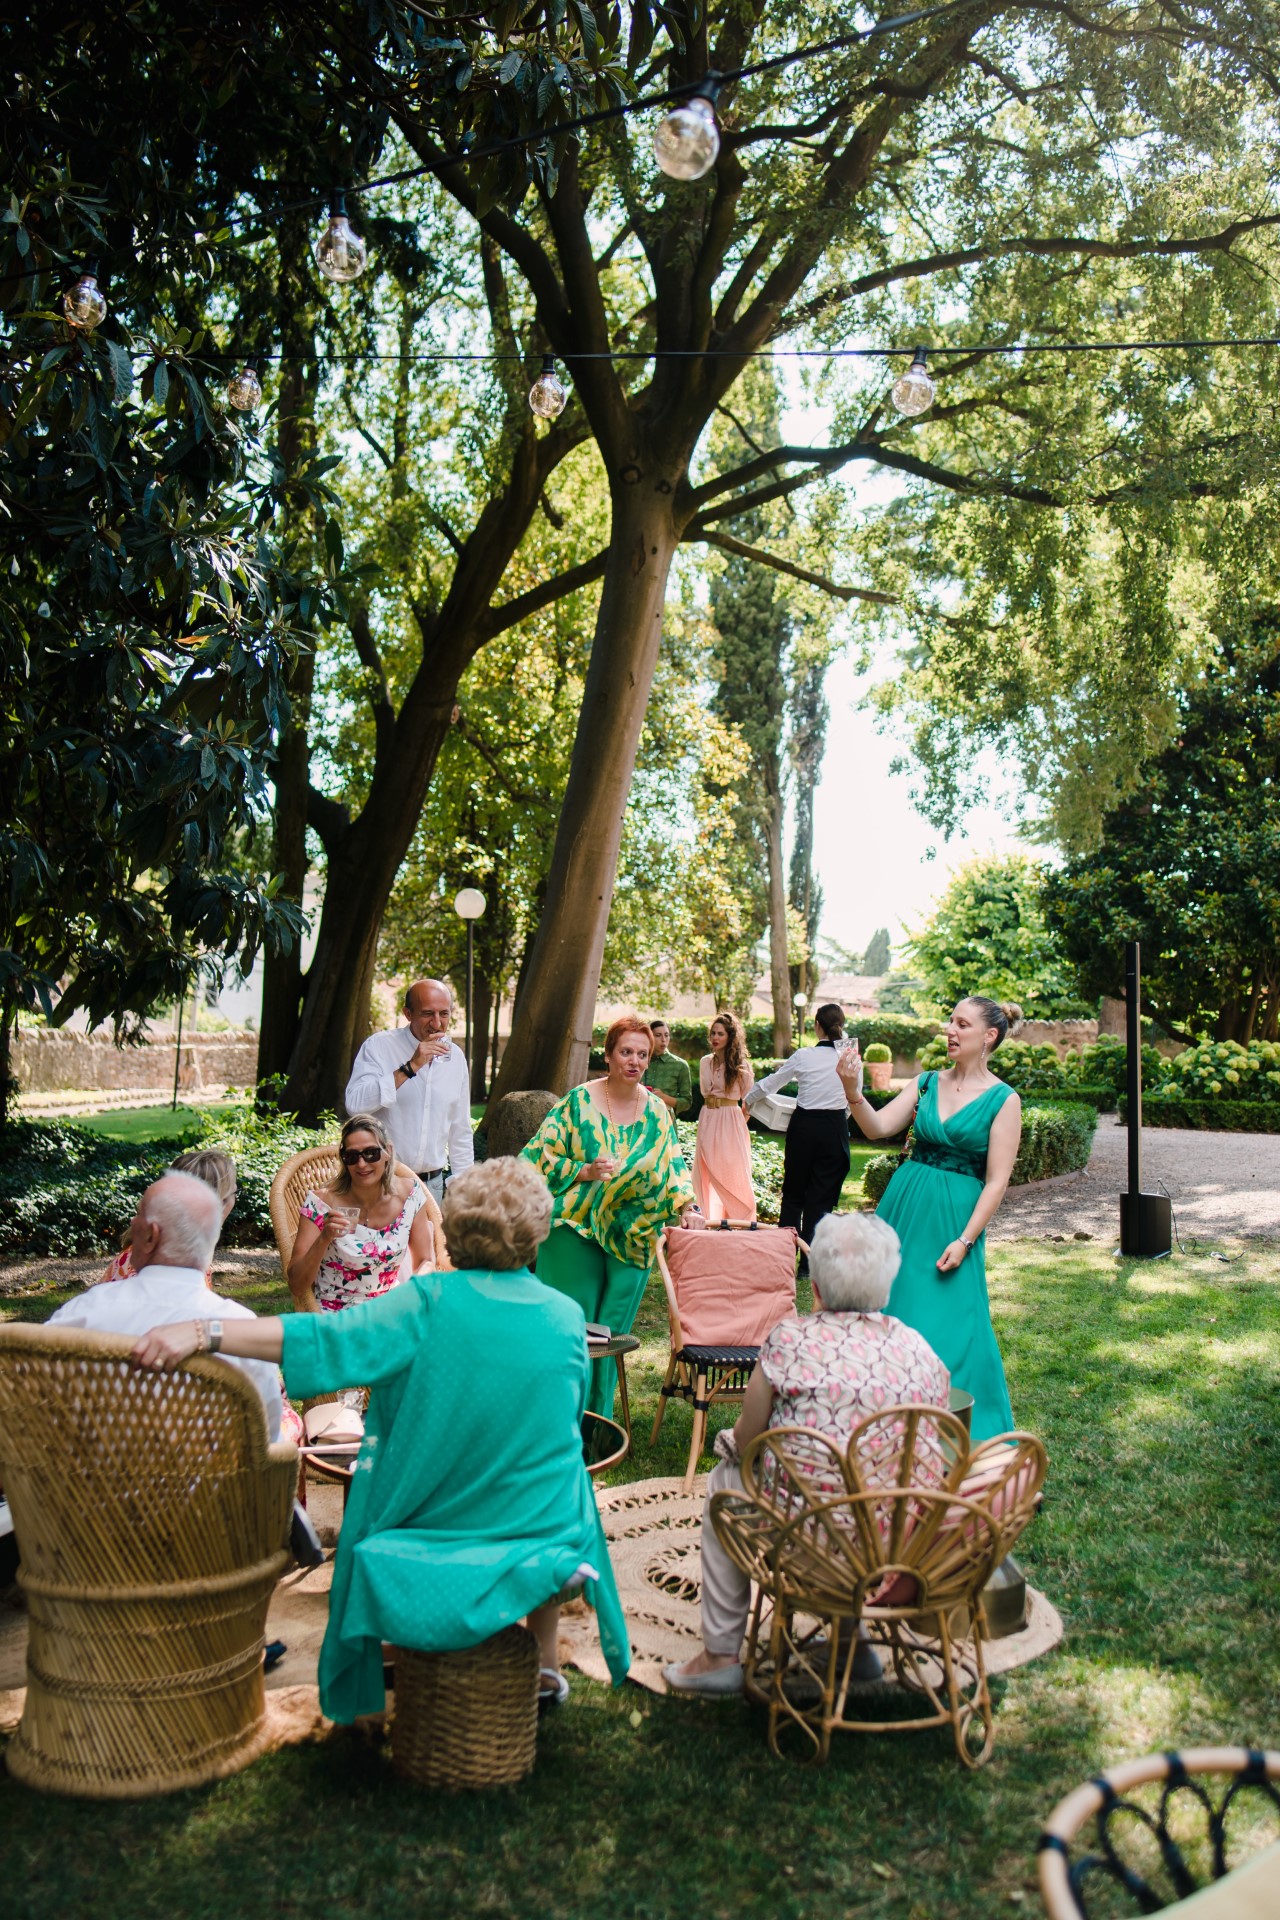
419, 1085
815, 1161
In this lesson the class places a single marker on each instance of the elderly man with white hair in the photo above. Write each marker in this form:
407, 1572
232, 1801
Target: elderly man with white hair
175, 1231
827, 1371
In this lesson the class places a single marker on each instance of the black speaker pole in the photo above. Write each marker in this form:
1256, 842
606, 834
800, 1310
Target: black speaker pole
1146, 1219
1133, 1062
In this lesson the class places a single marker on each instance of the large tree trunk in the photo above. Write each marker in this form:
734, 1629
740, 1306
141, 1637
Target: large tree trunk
283, 980
556, 1006
779, 970
481, 1009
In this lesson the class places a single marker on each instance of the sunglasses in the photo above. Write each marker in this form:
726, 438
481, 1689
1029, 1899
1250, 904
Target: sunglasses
352, 1156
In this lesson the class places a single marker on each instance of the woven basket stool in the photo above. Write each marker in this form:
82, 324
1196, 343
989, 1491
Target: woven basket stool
467, 1719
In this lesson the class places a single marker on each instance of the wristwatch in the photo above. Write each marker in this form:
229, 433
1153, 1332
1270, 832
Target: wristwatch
410, 1073
215, 1335
968, 1245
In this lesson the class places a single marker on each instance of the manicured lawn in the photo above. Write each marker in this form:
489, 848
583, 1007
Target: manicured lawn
149, 1126
1157, 1390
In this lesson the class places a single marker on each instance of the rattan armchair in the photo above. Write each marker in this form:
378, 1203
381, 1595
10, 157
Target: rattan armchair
1165, 1851
315, 1167
880, 1534
152, 1516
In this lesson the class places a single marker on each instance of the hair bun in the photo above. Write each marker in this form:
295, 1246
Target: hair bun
1012, 1012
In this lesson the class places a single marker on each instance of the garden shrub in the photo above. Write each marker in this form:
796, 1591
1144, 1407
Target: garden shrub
1223, 1070
65, 1190
1208, 1116
877, 1054
903, 1036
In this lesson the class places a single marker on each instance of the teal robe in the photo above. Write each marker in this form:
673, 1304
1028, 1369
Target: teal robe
470, 1504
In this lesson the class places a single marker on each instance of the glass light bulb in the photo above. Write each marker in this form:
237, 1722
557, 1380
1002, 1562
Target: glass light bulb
83, 305
688, 140
547, 395
341, 254
244, 390
914, 392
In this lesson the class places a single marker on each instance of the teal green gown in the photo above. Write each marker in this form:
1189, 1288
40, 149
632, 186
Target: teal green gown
470, 1504
928, 1203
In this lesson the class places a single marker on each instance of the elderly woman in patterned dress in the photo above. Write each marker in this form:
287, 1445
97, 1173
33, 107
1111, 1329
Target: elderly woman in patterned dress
611, 1156
827, 1371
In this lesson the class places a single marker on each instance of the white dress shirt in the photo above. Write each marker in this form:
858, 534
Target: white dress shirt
818, 1088
429, 1117
158, 1295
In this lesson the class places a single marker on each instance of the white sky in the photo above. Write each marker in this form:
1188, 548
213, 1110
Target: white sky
871, 847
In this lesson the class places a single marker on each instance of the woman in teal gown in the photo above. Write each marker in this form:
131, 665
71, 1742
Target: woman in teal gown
941, 1200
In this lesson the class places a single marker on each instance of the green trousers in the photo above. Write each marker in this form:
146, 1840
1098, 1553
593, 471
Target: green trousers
605, 1289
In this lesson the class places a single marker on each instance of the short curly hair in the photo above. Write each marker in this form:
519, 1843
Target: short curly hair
496, 1215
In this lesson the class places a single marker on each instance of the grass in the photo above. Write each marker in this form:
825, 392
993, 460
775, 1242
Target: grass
1157, 1390
150, 1126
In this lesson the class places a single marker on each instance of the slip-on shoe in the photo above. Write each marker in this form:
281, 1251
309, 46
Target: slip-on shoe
720, 1680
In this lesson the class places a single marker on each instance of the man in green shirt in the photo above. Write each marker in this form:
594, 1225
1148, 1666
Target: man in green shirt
667, 1074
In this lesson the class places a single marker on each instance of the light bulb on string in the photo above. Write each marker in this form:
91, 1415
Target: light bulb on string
244, 389
83, 303
547, 395
687, 142
340, 252
914, 392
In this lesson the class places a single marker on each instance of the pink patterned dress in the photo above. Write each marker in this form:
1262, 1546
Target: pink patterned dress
830, 1370
361, 1265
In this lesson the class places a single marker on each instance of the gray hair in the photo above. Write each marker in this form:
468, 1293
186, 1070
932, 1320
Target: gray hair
853, 1261
189, 1216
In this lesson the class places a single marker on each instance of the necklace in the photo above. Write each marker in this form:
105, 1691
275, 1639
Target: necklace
635, 1108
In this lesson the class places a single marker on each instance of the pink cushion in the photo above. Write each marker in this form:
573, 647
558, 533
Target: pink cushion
732, 1288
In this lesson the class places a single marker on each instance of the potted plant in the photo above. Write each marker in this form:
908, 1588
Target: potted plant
879, 1065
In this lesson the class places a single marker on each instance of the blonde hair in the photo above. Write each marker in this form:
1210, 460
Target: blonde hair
215, 1168
365, 1123
496, 1215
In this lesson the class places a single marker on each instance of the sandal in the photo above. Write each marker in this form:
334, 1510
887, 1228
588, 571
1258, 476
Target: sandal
556, 1690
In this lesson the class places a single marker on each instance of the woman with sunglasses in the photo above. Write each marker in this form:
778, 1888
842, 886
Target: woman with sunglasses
365, 1232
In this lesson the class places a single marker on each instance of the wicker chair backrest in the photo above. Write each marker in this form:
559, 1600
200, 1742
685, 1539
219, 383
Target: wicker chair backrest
118, 1477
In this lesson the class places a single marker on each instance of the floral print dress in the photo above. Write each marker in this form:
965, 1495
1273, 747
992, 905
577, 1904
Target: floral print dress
371, 1260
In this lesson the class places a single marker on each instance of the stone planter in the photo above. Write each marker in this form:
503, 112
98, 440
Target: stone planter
880, 1074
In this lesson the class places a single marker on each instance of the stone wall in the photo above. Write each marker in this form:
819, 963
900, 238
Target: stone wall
47, 1060
1066, 1035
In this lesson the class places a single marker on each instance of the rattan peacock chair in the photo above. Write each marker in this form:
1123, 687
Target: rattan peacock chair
152, 1516
900, 1531
1160, 1839
313, 1168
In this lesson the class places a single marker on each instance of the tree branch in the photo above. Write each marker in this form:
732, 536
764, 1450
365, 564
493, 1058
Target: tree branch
475, 740
727, 544
511, 612
384, 714
329, 818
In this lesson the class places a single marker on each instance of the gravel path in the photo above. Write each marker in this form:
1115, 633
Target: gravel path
42, 1276
1221, 1184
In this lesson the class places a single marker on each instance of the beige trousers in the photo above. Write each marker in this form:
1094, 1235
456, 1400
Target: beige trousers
726, 1591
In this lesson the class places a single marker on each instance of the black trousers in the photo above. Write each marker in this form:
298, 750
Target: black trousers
815, 1166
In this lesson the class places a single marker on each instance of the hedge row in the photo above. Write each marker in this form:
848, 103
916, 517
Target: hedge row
904, 1036
65, 1190
1209, 1116
1056, 1138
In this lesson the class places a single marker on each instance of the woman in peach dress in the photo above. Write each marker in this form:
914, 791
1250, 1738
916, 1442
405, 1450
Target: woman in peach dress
722, 1159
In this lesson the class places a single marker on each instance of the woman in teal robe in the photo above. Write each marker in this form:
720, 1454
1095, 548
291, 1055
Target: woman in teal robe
942, 1198
470, 1506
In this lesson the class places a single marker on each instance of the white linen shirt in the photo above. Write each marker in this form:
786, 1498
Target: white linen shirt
429, 1117
158, 1295
818, 1088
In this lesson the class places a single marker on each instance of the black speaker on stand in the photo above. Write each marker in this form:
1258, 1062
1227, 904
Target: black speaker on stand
1146, 1219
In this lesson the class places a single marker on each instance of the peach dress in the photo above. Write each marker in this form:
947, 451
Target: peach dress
722, 1158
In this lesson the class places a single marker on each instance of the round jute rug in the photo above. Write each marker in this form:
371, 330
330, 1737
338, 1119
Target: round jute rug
653, 1531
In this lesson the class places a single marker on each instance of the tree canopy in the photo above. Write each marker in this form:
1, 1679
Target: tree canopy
988, 934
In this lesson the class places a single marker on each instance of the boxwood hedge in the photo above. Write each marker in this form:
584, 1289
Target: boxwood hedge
1056, 1138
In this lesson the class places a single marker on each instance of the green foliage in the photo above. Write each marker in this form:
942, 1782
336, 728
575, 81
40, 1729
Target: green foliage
1207, 1116
904, 1037
1220, 1069
988, 935
879, 954
1190, 865
1037, 1066
877, 1053
903, 993
65, 1190
1056, 1138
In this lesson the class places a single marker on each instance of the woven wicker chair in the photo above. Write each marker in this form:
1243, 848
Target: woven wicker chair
879, 1533
1165, 1851
152, 1515
316, 1167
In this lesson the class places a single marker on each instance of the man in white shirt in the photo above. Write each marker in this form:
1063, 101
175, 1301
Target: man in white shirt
418, 1084
175, 1231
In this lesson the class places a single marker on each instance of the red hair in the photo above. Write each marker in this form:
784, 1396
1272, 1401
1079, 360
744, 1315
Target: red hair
627, 1023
